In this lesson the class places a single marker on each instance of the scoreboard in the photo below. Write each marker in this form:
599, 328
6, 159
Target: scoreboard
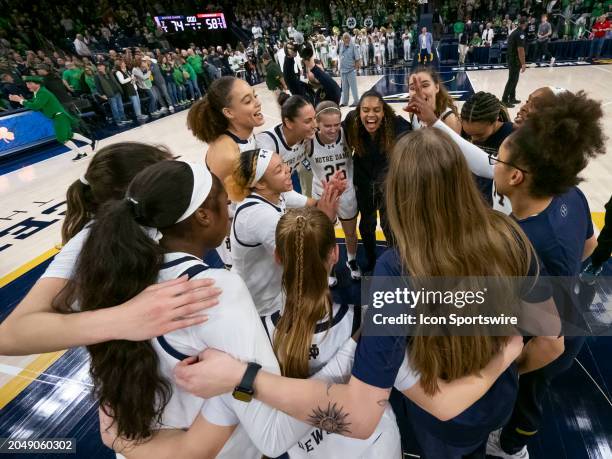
199, 21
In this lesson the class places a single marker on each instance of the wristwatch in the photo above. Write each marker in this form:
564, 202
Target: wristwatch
244, 391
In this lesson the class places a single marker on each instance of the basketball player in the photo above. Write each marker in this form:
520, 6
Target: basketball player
259, 183
537, 169
485, 122
190, 205
436, 95
290, 139
455, 414
36, 327
329, 153
371, 131
225, 118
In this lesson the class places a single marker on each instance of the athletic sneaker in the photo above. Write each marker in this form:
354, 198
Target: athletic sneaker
79, 156
515, 101
171, 108
590, 273
163, 110
354, 269
508, 104
332, 280
494, 448
552, 61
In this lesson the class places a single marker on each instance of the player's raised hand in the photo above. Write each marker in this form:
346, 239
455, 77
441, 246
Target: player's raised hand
329, 200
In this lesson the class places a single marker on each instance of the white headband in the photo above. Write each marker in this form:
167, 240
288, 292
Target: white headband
329, 108
83, 180
202, 183
263, 159
557, 90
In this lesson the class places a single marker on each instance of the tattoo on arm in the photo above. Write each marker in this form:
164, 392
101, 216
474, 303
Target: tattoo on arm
331, 419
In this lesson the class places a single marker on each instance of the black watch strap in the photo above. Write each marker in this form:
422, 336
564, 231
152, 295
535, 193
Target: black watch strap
248, 379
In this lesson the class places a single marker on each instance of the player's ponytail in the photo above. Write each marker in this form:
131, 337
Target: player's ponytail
205, 118
120, 258
304, 240
237, 183
107, 176
79, 203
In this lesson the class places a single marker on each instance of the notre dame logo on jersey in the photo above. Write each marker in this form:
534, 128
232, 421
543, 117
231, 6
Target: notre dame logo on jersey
314, 352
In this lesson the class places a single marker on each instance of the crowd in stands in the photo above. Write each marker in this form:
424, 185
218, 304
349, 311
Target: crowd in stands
141, 65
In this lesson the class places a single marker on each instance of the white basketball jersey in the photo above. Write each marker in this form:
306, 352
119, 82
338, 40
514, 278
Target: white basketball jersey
222, 332
275, 140
325, 160
253, 243
330, 335
243, 145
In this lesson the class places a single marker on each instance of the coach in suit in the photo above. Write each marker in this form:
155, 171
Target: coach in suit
425, 45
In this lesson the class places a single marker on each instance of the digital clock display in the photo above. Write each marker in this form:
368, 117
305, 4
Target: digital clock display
200, 21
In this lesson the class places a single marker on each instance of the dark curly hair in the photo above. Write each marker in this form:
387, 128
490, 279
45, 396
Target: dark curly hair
356, 131
555, 144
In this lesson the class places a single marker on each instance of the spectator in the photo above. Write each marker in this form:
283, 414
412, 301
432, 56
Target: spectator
274, 75
179, 78
159, 83
191, 80
600, 29
349, 58
544, 34
55, 84
167, 71
109, 90
128, 88
257, 32
72, 77
142, 75
81, 47
10, 87
487, 35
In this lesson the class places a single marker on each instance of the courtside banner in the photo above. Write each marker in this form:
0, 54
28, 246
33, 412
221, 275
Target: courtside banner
487, 306
24, 129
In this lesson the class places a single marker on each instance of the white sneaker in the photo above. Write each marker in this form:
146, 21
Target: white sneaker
552, 61
171, 108
163, 110
494, 448
354, 269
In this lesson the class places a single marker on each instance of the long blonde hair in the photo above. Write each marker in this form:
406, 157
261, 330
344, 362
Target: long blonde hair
304, 239
442, 227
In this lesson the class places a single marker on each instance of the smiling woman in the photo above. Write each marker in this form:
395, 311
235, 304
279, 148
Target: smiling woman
225, 118
372, 129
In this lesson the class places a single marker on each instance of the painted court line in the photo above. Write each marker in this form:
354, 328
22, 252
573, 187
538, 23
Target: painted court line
594, 382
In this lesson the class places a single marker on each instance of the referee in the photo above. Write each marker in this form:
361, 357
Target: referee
516, 62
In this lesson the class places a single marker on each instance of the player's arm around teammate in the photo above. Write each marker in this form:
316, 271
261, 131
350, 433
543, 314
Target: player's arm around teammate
35, 326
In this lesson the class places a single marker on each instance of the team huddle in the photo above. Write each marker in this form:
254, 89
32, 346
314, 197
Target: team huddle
258, 358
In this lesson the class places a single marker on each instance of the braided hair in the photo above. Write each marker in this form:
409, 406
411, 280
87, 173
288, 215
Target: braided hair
484, 107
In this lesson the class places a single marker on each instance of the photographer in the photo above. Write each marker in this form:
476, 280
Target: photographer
321, 86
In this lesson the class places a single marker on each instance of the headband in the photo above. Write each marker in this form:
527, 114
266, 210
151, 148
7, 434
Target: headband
202, 183
328, 108
83, 180
263, 160
557, 90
